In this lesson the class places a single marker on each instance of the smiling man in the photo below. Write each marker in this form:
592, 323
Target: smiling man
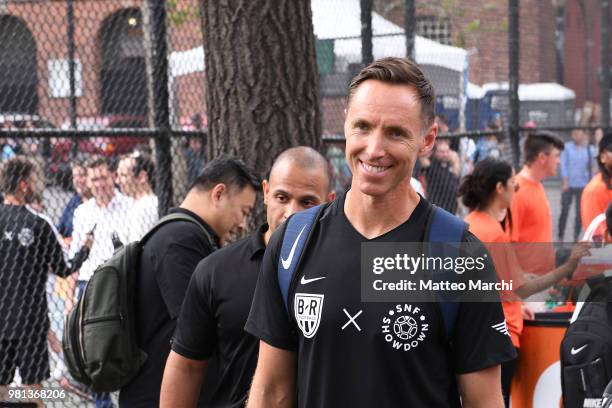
218, 203
330, 349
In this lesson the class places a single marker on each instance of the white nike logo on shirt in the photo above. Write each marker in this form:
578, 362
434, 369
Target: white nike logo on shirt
578, 350
287, 262
501, 328
305, 281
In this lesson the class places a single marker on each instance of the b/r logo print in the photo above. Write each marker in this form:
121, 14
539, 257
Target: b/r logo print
308, 309
404, 327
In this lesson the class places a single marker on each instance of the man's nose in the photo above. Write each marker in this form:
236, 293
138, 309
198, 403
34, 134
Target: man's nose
293, 207
376, 144
243, 223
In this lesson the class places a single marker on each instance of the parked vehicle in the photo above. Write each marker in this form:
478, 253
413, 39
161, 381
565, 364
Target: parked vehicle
109, 146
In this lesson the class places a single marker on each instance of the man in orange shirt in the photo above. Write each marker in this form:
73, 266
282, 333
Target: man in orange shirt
598, 193
530, 209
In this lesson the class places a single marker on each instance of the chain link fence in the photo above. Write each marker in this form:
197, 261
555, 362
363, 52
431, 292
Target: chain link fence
75, 86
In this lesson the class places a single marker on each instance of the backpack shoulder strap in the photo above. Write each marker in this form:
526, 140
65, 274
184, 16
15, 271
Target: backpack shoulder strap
441, 227
179, 217
297, 234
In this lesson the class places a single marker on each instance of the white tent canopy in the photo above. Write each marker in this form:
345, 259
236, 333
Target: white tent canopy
544, 91
340, 20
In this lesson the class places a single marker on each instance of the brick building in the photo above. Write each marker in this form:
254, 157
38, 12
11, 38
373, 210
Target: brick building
582, 54
480, 26
111, 67
109, 56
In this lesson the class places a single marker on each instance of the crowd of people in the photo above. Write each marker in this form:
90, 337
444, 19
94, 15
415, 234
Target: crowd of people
211, 315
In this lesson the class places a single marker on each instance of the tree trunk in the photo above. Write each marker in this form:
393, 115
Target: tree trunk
262, 87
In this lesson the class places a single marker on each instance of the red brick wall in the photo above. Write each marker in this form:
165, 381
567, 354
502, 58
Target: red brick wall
576, 68
489, 62
47, 22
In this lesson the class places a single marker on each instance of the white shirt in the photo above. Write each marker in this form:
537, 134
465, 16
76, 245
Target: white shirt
112, 218
143, 216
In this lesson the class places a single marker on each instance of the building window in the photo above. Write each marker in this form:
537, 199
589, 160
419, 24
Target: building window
18, 78
434, 28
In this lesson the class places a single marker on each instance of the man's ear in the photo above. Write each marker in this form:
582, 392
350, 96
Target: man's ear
143, 177
23, 186
265, 188
217, 193
428, 140
541, 158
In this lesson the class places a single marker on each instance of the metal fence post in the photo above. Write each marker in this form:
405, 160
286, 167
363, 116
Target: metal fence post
366, 32
513, 74
604, 78
161, 105
409, 27
71, 72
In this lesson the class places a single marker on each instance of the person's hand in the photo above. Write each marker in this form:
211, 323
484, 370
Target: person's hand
579, 250
528, 314
455, 162
54, 342
89, 240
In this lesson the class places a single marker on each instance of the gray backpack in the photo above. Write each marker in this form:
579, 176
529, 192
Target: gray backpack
99, 333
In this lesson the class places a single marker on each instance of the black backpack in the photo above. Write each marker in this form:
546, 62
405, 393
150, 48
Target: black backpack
99, 333
586, 349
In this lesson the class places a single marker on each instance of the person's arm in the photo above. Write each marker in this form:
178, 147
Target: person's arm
481, 389
455, 163
183, 378
275, 377
52, 249
538, 284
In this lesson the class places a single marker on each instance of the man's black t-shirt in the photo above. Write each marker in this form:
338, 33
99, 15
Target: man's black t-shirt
168, 260
353, 354
29, 250
211, 324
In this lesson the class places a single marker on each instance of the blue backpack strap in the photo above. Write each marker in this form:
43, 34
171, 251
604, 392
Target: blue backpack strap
297, 234
445, 227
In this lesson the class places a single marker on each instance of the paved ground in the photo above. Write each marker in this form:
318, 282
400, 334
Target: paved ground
553, 191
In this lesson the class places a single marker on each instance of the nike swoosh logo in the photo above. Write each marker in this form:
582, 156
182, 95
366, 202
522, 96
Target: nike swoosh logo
305, 281
578, 350
287, 262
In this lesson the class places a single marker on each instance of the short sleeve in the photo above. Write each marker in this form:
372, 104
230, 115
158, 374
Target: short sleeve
54, 253
268, 319
196, 334
78, 231
481, 338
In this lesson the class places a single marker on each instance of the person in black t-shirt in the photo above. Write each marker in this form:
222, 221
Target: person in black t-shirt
332, 349
220, 200
29, 250
218, 300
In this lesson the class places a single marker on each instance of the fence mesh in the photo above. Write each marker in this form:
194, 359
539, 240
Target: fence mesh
74, 87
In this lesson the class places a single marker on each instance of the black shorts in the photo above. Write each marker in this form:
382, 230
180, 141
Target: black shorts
30, 355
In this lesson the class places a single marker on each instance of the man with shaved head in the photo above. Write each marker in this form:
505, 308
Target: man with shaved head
219, 296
